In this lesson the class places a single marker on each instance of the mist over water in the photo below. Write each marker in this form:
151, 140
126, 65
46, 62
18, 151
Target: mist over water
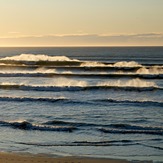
151, 70
38, 57
127, 64
130, 83
82, 101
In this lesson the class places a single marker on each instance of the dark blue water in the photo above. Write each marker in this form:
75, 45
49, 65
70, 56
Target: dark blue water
103, 101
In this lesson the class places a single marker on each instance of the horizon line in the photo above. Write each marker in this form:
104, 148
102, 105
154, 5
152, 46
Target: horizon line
46, 46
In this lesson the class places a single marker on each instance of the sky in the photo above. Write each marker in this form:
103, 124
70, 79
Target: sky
81, 22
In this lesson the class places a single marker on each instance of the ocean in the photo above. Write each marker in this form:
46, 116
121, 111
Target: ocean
82, 101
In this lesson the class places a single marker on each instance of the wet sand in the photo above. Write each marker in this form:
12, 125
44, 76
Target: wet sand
28, 158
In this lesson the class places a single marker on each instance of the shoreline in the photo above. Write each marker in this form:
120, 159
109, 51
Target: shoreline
42, 158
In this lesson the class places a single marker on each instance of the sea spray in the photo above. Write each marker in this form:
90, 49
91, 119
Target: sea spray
38, 57
90, 115
117, 64
127, 64
44, 70
151, 70
61, 82
38, 70
64, 82
66, 72
92, 64
130, 83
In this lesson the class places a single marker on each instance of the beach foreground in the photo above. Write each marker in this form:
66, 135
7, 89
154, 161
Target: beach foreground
27, 158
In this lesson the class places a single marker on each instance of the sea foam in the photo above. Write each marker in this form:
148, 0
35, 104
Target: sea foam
38, 57
151, 70
130, 83
127, 64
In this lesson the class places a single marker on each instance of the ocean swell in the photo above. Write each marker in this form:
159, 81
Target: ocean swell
131, 129
32, 99
25, 125
74, 85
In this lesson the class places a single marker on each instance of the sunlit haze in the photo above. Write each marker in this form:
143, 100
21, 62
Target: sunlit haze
81, 23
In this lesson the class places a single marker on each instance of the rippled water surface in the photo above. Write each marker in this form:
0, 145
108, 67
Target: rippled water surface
105, 102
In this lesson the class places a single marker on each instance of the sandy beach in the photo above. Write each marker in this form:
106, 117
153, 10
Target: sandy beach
27, 158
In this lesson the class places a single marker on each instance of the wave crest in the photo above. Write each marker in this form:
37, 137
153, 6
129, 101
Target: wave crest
131, 83
92, 64
74, 85
37, 57
127, 64
25, 125
151, 70
32, 99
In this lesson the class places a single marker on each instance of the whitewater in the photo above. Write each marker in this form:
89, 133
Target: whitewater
95, 102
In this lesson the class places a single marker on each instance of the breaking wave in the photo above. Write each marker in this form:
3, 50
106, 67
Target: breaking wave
42, 59
150, 70
71, 126
134, 83
32, 99
127, 64
37, 57
124, 64
65, 84
25, 125
31, 61
93, 64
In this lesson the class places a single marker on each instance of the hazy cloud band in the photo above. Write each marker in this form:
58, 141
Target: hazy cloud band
151, 39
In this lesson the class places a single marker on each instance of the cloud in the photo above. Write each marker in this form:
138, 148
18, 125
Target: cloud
13, 32
152, 35
151, 39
